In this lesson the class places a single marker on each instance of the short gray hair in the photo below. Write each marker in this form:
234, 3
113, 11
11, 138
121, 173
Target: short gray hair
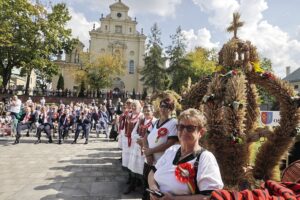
194, 114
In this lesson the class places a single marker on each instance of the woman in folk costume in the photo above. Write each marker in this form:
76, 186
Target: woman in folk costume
162, 136
122, 121
130, 123
186, 171
137, 157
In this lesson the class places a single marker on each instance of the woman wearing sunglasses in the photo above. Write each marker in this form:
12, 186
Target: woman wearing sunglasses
186, 171
162, 136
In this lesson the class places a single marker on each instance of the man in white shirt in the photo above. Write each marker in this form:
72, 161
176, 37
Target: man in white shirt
15, 106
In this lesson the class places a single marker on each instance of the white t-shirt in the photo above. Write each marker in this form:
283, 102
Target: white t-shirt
208, 174
154, 140
16, 108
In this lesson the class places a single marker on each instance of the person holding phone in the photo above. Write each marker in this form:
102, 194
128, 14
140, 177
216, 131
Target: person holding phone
186, 171
161, 137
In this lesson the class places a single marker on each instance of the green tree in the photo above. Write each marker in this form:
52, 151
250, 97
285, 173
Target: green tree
30, 36
203, 63
266, 98
266, 64
154, 74
179, 67
60, 83
99, 70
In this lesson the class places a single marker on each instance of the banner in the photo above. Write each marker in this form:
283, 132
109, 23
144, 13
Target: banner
269, 118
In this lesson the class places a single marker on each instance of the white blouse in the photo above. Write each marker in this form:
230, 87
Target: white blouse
208, 174
154, 140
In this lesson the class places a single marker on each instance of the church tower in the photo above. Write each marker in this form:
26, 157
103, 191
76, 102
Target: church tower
117, 34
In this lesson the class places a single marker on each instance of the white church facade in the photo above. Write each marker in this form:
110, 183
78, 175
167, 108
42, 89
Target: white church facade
117, 34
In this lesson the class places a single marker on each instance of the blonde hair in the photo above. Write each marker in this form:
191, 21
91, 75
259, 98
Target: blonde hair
196, 116
137, 105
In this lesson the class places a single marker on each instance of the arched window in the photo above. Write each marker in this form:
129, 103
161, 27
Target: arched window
131, 67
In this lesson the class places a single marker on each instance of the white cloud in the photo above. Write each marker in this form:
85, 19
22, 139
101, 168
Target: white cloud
80, 27
270, 40
201, 38
218, 11
161, 8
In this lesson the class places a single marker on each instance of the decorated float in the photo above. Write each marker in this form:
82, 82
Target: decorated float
230, 101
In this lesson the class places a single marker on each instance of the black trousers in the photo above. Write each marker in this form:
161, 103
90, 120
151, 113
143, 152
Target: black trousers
22, 126
83, 127
44, 127
146, 171
62, 132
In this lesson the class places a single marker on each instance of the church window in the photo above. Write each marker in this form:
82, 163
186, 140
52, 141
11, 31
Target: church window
130, 29
106, 27
131, 67
118, 29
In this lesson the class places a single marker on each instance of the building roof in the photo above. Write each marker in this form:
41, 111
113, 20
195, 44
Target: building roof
119, 6
294, 76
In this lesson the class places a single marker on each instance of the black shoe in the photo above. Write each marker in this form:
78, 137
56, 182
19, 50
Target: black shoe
129, 189
82, 136
86, 142
16, 141
50, 141
59, 142
38, 141
27, 134
74, 142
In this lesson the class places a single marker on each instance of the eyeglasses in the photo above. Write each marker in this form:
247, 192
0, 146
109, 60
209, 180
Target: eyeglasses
163, 106
188, 128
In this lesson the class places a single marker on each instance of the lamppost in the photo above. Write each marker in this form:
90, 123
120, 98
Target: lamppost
5, 63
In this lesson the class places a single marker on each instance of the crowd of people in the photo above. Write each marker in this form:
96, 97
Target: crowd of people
50, 119
163, 154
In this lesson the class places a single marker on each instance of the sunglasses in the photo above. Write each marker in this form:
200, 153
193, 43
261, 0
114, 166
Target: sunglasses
163, 106
188, 128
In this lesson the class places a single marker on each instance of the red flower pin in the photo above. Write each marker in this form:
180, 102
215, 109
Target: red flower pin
161, 133
185, 173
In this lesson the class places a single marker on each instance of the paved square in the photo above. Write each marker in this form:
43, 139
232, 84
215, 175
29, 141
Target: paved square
51, 171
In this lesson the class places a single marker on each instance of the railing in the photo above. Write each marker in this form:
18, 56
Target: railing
72, 93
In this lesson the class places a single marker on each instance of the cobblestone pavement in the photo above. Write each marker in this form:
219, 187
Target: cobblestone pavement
51, 171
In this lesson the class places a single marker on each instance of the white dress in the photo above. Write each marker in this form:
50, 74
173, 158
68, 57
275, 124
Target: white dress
121, 131
126, 146
167, 129
137, 159
208, 174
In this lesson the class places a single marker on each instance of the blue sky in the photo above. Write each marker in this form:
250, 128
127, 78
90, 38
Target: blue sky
272, 25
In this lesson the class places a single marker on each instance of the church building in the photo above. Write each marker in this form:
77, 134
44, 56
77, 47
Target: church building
117, 34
